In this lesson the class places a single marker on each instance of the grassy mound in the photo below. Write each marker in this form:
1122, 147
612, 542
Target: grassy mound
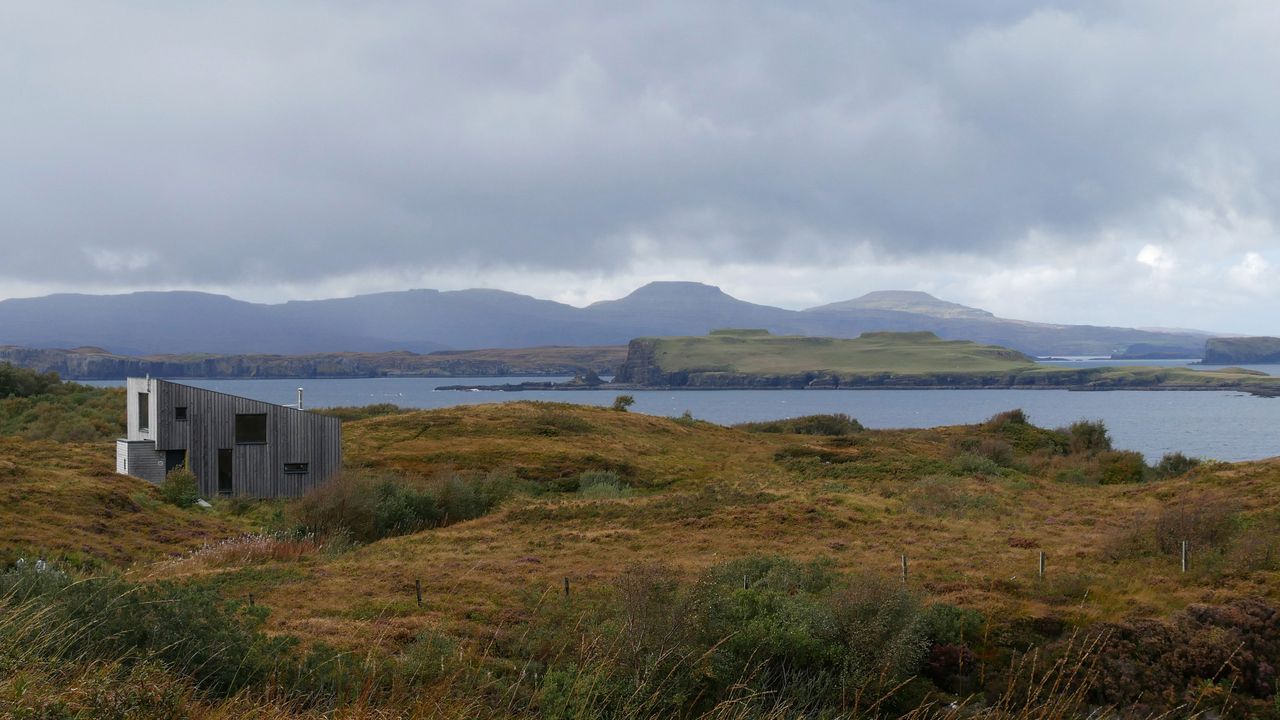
65, 502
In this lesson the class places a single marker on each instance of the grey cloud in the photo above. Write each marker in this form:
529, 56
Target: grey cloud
234, 142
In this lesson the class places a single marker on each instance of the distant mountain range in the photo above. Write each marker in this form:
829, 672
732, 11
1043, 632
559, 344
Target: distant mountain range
149, 323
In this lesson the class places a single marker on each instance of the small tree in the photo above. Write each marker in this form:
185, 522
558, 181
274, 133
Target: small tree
622, 402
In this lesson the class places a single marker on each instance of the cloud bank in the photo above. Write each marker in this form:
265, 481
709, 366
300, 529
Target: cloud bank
1108, 162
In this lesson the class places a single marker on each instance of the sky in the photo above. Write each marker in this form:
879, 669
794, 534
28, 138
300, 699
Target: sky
1110, 162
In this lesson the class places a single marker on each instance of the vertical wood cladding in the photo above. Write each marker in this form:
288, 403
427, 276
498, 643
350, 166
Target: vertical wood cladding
293, 436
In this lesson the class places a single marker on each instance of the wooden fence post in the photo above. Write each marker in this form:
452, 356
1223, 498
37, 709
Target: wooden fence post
904, 568
566, 587
1184, 556
417, 590
1042, 564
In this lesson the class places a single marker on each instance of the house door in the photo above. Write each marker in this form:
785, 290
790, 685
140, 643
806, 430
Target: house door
174, 459
226, 484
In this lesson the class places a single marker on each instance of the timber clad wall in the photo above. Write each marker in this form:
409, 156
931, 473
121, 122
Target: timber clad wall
293, 437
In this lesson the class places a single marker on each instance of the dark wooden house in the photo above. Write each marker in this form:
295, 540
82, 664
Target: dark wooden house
234, 445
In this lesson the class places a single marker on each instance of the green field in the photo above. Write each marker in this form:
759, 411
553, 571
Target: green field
759, 352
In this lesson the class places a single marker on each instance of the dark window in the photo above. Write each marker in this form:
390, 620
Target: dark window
295, 468
251, 429
180, 413
144, 412
226, 484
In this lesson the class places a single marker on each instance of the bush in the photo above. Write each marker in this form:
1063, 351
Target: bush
180, 487
1002, 421
1087, 436
1175, 464
21, 382
1121, 466
972, 464
832, 425
622, 402
601, 484
369, 508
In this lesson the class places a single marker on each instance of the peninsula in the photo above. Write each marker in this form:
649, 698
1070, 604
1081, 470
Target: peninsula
757, 359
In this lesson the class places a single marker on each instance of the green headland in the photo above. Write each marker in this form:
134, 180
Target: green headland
756, 359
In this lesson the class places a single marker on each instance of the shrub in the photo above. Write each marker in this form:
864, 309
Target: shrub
180, 487
972, 464
1175, 464
369, 508
1001, 421
622, 402
833, 425
1121, 466
601, 484
1087, 436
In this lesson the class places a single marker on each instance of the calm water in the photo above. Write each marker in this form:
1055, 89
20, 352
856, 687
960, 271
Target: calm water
1220, 425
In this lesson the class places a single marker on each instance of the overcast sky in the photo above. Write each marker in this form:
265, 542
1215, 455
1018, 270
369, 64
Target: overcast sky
1107, 162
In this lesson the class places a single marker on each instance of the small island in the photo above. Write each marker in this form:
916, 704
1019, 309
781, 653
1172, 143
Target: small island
757, 359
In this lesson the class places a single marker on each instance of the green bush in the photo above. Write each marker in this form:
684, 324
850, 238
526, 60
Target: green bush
1087, 436
974, 464
622, 402
1175, 464
21, 382
180, 487
369, 508
1121, 466
601, 484
833, 425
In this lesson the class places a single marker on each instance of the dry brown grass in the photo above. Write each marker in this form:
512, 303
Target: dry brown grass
65, 500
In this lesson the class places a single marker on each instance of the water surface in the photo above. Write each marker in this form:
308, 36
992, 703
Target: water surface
1212, 424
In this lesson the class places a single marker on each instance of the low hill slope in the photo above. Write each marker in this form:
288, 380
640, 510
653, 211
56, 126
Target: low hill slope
551, 443
65, 502
758, 353
757, 359
972, 506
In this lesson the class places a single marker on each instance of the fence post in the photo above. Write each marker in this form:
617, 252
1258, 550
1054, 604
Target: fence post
745, 584
1184, 556
250, 599
566, 587
417, 589
904, 568
1041, 563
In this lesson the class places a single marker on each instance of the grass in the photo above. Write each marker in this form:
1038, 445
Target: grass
65, 501
601, 493
876, 352
914, 359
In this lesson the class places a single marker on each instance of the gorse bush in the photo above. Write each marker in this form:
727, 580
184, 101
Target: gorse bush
370, 508
180, 487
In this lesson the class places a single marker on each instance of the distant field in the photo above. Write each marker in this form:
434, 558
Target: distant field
751, 352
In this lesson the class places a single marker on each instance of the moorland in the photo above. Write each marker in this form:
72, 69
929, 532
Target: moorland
544, 560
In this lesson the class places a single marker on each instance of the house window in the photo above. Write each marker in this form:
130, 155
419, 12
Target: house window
180, 414
251, 429
144, 412
296, 468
